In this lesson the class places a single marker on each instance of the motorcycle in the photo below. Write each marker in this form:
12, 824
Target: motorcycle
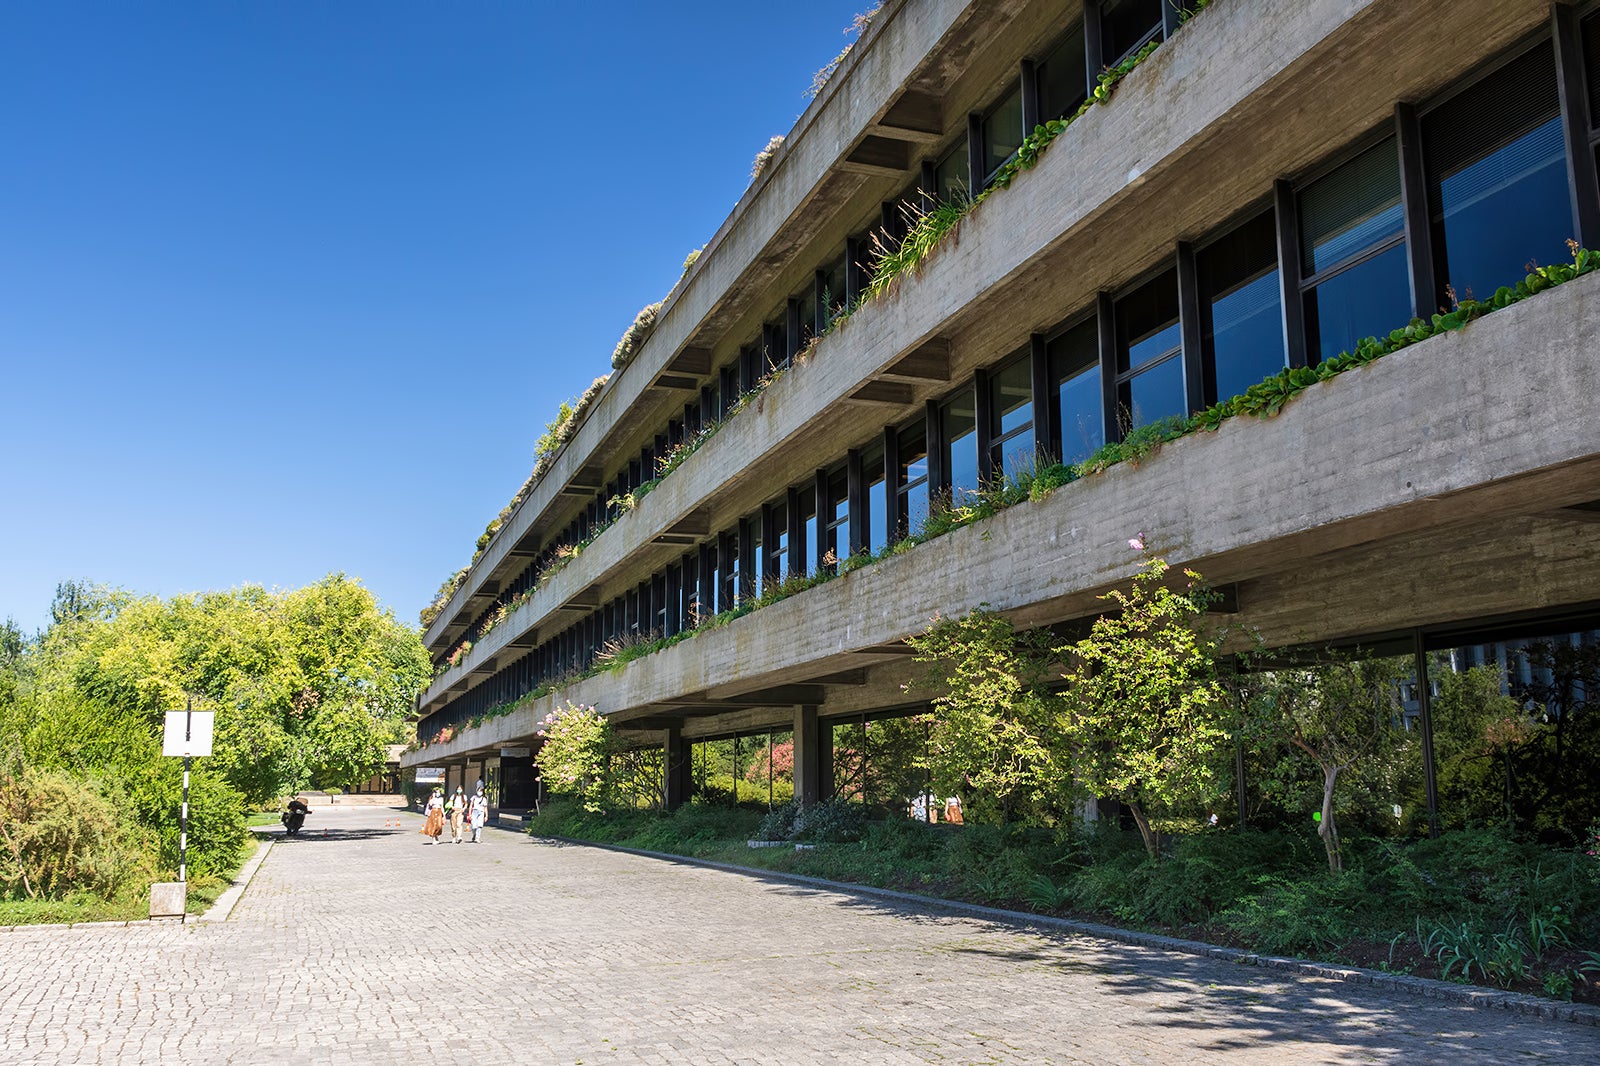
293, 819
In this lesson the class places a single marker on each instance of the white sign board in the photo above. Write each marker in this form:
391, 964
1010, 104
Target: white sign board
199, 726
515, 753
430, 775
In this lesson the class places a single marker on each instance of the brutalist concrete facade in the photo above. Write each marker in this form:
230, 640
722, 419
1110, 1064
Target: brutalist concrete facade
1448, 484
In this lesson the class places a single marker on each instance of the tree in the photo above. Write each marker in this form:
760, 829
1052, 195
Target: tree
1334, 713
575, 743
994, 734
1145, 712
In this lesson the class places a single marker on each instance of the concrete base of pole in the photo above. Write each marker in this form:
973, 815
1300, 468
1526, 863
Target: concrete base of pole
167, 900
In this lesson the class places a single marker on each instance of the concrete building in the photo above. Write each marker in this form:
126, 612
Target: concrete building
1275, 181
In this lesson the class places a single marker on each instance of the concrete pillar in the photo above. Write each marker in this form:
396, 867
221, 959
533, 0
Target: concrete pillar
825, 785
677, 768
807, 755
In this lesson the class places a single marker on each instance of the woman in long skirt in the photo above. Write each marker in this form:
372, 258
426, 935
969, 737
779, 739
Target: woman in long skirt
433, 828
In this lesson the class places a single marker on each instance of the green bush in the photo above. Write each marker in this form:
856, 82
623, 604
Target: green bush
63, 838
835, 821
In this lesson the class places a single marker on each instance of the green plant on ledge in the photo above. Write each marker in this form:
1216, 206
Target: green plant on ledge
1036, 484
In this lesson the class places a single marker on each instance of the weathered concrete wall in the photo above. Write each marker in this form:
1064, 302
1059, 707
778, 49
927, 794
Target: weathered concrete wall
1193, 154
1459, 435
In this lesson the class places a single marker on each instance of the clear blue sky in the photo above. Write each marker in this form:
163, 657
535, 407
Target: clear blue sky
257, 258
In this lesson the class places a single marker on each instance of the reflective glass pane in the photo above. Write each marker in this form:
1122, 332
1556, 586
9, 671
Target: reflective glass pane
1075, 368
877, 515
1497, 177
916, 506
1367, 300
1002, 132
1354, 208
1241, 308
1156, 393
1062, 85
1011, 398
1147, 322
961, 431
1127, 24
951, 180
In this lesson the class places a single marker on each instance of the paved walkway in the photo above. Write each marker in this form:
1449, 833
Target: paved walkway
365, 945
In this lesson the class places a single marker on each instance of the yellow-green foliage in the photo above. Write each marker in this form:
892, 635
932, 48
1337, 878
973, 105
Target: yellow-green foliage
59, 835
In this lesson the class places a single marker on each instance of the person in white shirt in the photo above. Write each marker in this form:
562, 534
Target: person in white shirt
479, 808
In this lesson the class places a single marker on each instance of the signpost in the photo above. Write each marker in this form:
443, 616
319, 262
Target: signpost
188, 734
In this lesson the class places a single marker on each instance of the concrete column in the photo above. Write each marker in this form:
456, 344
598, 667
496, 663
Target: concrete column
677, 769
807, 755
825, 785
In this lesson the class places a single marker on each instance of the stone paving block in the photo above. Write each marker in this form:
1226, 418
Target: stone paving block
367, 945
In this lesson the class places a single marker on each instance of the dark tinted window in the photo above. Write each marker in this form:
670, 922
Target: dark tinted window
1063, 86
1011, 418
1075, 368
1002, 132
1241, 309
1497, 177
960, 429
1126, 25
1150, 352
951, 182
913, 475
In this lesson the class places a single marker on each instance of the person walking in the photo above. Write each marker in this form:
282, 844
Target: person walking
456, 808
478, 814
433, 826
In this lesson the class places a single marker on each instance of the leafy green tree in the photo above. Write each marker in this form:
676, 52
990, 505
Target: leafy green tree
995, 733
1336, 714
1146, 715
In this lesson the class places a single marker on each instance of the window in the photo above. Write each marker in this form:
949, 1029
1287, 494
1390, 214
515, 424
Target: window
807, 302
911, 480
951, 178
1497, 177
836, 531
807, 502
1013, 448
1127, 26
832, 291
1062, 80
958, 425
1352, 253
1002, 133
876, 534
1150, 354
1241, 309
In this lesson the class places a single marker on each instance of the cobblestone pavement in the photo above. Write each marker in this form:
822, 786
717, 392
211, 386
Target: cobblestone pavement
362, 944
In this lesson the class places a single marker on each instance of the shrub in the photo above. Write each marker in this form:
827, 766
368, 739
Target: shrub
61, 837
836, 821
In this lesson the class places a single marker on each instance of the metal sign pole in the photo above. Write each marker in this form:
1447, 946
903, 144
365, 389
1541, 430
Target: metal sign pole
183, 818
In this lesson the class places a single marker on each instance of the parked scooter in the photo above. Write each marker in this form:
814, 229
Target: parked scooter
295, 816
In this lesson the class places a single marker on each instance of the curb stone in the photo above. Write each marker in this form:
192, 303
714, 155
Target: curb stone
1425, 987
223, 906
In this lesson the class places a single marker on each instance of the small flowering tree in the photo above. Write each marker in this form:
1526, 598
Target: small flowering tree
576, 744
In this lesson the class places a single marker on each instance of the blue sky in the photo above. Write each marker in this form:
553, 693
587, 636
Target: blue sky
256, 258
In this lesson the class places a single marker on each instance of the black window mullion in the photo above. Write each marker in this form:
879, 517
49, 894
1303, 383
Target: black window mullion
824, 518
856, 502
1030, 96
1194, 375
984, 417
1093, 57
976, 159
1576, 122
938, 475
1287, 218
1414, 208
893, 509
1046, 404
1110, 382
